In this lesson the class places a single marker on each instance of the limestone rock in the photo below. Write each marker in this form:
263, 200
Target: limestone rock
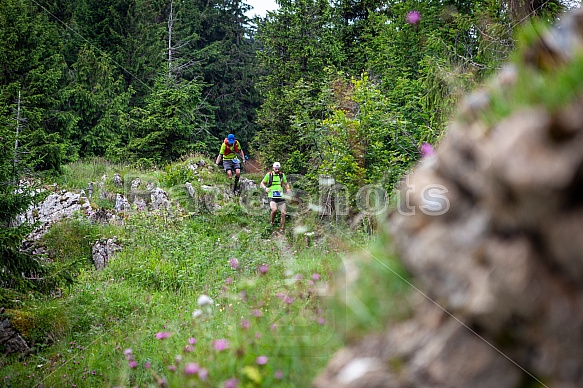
102, 251
117, 180
121, 204
159, 199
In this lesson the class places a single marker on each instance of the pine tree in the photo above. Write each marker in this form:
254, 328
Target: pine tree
15, 198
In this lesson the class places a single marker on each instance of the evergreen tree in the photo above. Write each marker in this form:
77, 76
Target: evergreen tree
170, 125
31, 64
15, 198
298, 47
98, 101
226, 53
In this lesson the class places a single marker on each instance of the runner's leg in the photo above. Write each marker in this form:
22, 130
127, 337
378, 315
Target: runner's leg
273, 207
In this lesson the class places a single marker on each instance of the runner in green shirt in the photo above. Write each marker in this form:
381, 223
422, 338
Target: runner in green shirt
273, 183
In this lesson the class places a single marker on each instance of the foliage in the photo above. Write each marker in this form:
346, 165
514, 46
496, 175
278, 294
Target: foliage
365, 142
16, 267
170, 124
300, 49
98, 102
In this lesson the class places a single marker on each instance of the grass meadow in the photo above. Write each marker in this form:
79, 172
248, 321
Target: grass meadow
203, 299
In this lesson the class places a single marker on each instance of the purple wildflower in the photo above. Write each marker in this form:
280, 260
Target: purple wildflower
279, 375
245, 324
413, 17
427, 149
132, 364
231, 383
261, 360
203, 374
316, 276
263, 268
163, 334
234, 263
192, 341
191, 368
220, 344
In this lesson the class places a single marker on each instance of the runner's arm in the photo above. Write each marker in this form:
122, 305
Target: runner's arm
221, 153
262, 185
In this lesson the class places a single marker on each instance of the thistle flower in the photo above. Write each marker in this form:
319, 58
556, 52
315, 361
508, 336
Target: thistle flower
220, 344
191, 368
413, 17
163, 334
263, 268
427, 149
234, 263
261, 360
231, 383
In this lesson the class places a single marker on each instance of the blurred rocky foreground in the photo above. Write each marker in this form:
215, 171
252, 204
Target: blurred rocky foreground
501, 271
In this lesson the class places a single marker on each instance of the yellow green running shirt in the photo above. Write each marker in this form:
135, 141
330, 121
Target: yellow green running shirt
276, 184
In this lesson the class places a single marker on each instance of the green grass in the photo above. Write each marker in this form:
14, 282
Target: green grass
273, 304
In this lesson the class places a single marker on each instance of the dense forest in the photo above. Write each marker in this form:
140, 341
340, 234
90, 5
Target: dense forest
319, 84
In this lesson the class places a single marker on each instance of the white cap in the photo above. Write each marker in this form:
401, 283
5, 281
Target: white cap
276, 165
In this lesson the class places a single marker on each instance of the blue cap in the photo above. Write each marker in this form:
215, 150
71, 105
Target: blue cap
231, 138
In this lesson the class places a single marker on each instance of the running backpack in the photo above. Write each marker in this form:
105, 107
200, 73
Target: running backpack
271, 179
228, 147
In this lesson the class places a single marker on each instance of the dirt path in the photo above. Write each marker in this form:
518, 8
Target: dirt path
253, 166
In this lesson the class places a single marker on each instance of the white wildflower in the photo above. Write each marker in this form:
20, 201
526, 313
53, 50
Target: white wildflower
204, 300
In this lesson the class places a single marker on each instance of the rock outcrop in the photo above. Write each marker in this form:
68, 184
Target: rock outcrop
55, 207
10, 339
492, 235
102, 250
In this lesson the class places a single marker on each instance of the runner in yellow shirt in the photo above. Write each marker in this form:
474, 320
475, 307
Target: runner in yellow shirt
230, 152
